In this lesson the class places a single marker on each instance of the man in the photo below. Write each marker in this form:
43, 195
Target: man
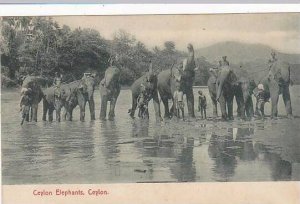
25, 103
224, 62
178, 102
57, 83
202, 104
273, 58
259, 93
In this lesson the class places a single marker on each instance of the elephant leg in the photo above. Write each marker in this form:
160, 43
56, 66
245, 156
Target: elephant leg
111, 114
249, 108
70, 115
222, 102
287, 101
133, 108
50, 113
92, 108
65, 114
274, 93
240, 106
190, 102
230, 108
103, 107
34, 112
274, 102
156, 107
45, 110
57, 111
215, 108
82, 111
28, 115
262, 109
166, 105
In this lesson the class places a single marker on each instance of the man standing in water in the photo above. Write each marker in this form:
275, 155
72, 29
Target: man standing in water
57, 83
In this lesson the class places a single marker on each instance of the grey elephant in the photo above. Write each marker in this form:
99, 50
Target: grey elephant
183, 73
277, 82
53, 100
109, 91
79, 93
212, 88
32, 83
149, 81
230, 83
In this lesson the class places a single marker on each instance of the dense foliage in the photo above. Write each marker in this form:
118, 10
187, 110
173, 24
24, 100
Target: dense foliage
39, 46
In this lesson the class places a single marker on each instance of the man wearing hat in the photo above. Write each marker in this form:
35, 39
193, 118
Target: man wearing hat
224, 62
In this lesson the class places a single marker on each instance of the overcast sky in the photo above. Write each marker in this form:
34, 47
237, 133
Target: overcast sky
280, 31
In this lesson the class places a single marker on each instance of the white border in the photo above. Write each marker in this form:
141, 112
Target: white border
127, 9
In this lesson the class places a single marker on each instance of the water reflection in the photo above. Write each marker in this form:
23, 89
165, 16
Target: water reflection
228, 152
110, 147
127, 150
224, 156
281, 169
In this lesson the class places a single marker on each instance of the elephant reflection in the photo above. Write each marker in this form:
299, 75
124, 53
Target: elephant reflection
168, 146
243, 140
281, 169
224, 156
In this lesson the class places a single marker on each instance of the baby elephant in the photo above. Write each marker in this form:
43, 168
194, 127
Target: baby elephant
53, 100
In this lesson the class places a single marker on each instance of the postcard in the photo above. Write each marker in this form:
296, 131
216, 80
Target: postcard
200, 108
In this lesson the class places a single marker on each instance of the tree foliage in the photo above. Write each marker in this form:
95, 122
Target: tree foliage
40, 46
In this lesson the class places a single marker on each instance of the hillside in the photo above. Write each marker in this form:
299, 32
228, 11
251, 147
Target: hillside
250, 57
238, 53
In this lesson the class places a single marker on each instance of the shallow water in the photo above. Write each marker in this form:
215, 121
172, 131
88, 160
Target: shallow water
127, 150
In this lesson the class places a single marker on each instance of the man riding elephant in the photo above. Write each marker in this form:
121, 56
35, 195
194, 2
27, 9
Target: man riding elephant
182, 73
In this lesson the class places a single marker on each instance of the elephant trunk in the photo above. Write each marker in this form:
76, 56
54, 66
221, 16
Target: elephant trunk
90, 92
223, 75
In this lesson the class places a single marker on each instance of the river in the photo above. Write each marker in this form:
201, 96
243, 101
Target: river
130, 151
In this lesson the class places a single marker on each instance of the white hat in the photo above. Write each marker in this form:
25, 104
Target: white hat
260, 86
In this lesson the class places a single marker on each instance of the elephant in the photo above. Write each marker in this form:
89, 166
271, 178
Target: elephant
33, 83
246, 87
211, 84
109, 91
53, 100
79, 93
277, 82
232, 83
182, 74
149, 81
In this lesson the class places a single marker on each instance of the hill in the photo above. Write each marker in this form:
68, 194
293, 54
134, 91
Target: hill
239, 53
252, 58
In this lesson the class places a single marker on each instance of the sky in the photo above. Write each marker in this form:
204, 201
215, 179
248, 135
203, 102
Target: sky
280, 31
